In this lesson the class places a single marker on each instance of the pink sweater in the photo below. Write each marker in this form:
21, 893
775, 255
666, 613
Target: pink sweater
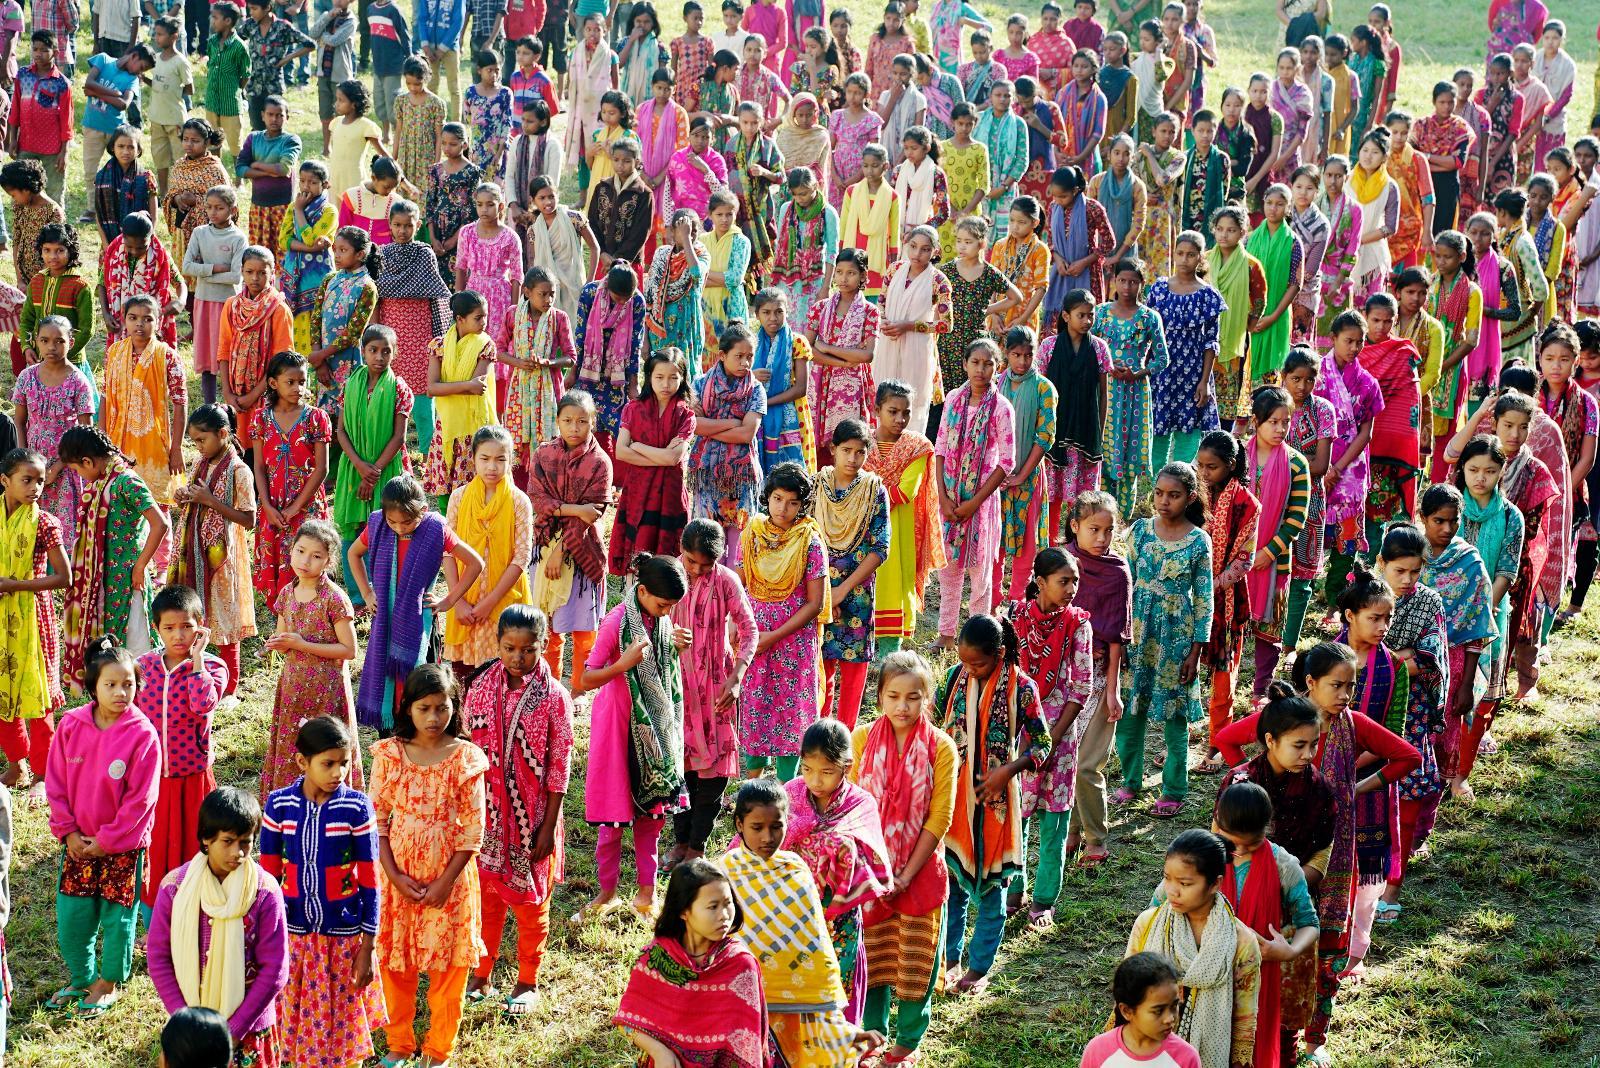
1108, 1051
103, 783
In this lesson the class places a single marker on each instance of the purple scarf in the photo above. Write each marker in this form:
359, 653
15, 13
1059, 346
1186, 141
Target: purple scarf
395, 645
1071, 243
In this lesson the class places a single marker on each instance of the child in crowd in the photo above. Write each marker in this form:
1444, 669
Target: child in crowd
1221, 463
1356, 400
609, 336
852, 507
146, 398
291, 439
1077, 363
371, 432
903, 459
1024, 495
448, 206
839, 331
494, 519
214, 257
303, 242
1137, 343
1148, 1005
724, 466
1281, 480
781, 364
464, 391
652, 449
541, 346
412, 300
1312, 426
56, 289
122, 187
489, 261
340, 315
807, 247
257, 324
869, 218
52, 395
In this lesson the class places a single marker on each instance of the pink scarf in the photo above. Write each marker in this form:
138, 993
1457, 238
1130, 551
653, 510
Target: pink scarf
843, 846
903, 785
604, 362
1272, 490
658, 149
1486, 357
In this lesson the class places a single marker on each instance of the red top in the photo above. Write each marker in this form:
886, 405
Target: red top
1400, 756
41, 111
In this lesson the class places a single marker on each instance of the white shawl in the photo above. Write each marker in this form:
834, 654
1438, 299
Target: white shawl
914, 183
557, 248
910, 357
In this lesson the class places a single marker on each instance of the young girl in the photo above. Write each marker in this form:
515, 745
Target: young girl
448, 205
318, 839
192, 178
990, 709
1197, 928
541, 345
788, 931
592, 75
724, 468
486, 108
807, 244
304, 240
781, 357
459, 378
411, 302
1081, 238
32, 209
120, 526
1223, 466
352, 139
1159, 165
754, 171
1281, 480
840, 332
1312, 427
908, 766
56, 289
853, 511
675, 286
714, 657
1346, 227
367, 206
903, 106
122, 187
1394, 361
1313, 231
1148, 1007
854, 127
870, 218
652, 449
1276, 247
1077, 366
569, 486
256, 325
1025, 261
428, 797
489, 261
1170, 555
1378, 197
1024, 496
1501, 304
636, 731
146, 398
401, 532
610, 342
371, 432
102, 781
888, 41
1138, 348
521, 718
291, 467
1356, 400
1182, 400
494, 519
695, 990
343, 308
51, 396
212, 256
215, 511
903, 458
728, 264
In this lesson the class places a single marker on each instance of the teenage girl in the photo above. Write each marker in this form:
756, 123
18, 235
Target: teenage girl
1281, 481
1222, 465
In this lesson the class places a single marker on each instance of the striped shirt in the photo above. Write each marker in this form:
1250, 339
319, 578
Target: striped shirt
323, 856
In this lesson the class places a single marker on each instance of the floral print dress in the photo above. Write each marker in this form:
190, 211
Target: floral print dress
1172, 607
308, 686
968, 301
849, 636
494, 269
966, 172
51, 412
1190, 325
1312, 422
1139, 344
849, 138
288, 455
780, 690
489, 119
449, 208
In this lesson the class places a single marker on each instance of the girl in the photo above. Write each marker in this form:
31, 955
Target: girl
807, 244
354, 137
569, 486
51, 396
1312, 427
990, 708
459, 379
1456, 302
541, 347
31, 211
341, 313
494, 519
1172, 611
1159, 166
1504, 106
257, 323
212, 256
714, 658
1197, 928
521, 718
304, 240
553, 244
1346, 229
901, 458
146, 398
611, 322
102, 781
675, 286
1313, 231
840, 331
1502, 304
965, 163
908, 766
717, 99
419, 122
1148, 1004
367, 206
316, 632
1053, 639
1025, 499
1222, 465
34, 563
974, 454
758, 84
642, 55
652, 452
291, 467
781, 357
1134, 336
1571, 407
1025, 261
695, 991
215, 511
1084, 109
1242, 284
191, 180
314, 832
813, 74
694, 172
428, 796
616, 122
411, 302
621, 210
636, 731
122, 187
919, 182
1080, 239
1292, 99
853, 512
903, 107
489, 261
1379, 199
111, 561
786, 575
371, 432
1183, 403
729, 403
978, 292
487, 107
870, 218
1077, 366
1276, 247
888, 41
1281, 479
399, 532
56, 289
1356, 400
592, 69
1004, 132
1394, 361
449, 205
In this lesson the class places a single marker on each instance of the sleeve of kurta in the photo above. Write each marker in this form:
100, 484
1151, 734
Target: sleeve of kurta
942, 321
470, 803
1158, 356
1429, 375
1533, 270
942, 802
522, 528
271, 957
1031, 721
1200, 589
1294, 507
1079, 678
558, 745
1400, 757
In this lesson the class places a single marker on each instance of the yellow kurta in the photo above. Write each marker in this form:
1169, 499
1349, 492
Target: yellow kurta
896, 612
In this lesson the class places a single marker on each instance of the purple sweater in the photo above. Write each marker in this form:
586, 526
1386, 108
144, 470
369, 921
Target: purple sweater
266, 949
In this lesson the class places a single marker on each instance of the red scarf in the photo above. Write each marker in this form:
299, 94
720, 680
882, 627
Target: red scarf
708, 1014
1259, 905
1569, 413
1393, 362
571, 476
1045, 640
902, 783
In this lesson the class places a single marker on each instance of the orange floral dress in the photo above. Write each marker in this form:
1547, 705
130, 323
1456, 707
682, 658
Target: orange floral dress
428, 814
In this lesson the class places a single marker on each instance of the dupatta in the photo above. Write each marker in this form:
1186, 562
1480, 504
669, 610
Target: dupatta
560, 475
775, 561
486, 519
368, 417
1383, 689
249, 316
871, 216
1275, 251
200, 537
1393, 362
1232, 527
1458, 575
1258, 904
787, 931
1105, 586
554, 245
1272, 485
843, 846
401, 623
24, 688
903, 785
1231, 276
780, 426
1205, 975
890, 465
655, 715
710, 1013
1484, 361
971, 423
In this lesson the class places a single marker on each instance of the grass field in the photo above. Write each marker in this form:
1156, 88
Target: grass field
1494, 963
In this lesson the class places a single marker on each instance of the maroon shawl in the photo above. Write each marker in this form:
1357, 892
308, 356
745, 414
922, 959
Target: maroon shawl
560, 475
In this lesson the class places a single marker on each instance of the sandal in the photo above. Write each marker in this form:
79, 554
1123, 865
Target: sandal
1121, 796
483, 993
396, 1060
1209, 766
66, 998
909, 1060
1166, 808
1388, 913
523, 1004
93, 1010
1041, 919
594, 911
1090, 859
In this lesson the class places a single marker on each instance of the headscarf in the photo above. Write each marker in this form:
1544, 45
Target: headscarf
799, 147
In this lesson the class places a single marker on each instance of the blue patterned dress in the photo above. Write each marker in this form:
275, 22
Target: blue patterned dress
850, 636
1190, 326
1139, 344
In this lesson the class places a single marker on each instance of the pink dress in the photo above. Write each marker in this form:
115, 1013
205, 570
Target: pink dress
1017, 66
494, 269
780, 690
51, 412
848, 141
308, 686
710, 743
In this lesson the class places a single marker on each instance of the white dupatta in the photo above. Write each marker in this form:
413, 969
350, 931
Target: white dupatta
910, 357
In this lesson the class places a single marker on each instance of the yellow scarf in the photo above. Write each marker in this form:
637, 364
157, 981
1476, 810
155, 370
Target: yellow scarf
24, 690
775, 561
219, 984
872, 219
138, 410
1367, 187
463, 414
844, 521
719, 247
486, 520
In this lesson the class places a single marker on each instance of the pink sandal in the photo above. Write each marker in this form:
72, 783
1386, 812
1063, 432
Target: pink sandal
1166, 808
1122, 796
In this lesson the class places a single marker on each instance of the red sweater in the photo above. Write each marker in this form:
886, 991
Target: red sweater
1400, 757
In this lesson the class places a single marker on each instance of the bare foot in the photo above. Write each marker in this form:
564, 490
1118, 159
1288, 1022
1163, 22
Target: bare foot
11, 778
944, 643
1461, 790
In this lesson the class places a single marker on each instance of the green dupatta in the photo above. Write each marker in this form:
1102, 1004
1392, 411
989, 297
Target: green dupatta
369, 424
1274, 251
655, 718
1232, 277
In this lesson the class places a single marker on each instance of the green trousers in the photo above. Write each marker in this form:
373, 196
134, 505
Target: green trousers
422, 419
787, 766
911, 1023
87, 927
1052, 857
885, 646
1180, 445
1333, 585
1130, 751
1294, 613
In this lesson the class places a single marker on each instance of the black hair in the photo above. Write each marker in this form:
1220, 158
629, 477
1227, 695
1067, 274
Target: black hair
194, 1036
991, 636
758, 793
209, 133
228, 809
524, 617
428, 680
660, 576
621, 281
619, 100
1204, 850
319, 734
1184, 474
1244, 808
830, 739
1231, 211
1268, 399
856, 257
683, 888
454, 129
1029, 206
1365, 588
493, 432
892, 387
48, 37
669, 354
59, 234
1439, 496
138, 224
852, 430
414, 67
722, 58
283, 361
9, 462
101, 652
316, 169
382, 168
1383, 299
962, 110
1557, 332
361, 243
81, 443
176, 598
1319, 661
1227, 448
140, 51
380, 332
704, 537
1301, 357
1203, 115
924, 137
487, 57
464, 303
1402, 540
791, 477
1518, 379
212, 417
1068, 178
1285, 711
1046, 562
1513, 201
1020, 337
403, 493
356, 92
1588, 331
1135, 977
1459, 243
1349, 319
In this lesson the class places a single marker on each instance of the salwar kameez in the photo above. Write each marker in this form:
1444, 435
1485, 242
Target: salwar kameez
1138, 344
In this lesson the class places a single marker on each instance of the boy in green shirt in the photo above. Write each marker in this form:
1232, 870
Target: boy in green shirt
227, 66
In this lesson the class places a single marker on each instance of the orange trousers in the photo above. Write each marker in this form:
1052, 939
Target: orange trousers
533, 930
1223, 681
582, 644
446, 996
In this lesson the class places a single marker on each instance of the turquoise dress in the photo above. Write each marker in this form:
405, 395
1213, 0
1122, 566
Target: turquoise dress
1007, 140
1172, 607
676, 316
1140, 344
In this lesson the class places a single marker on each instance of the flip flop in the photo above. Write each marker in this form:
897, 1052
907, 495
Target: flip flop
87, 1010
1388, 913
1041, 919
1122, 796
593, 912
1090, 859
483, 993
1166, 808
66, 998
523, 1004
396, 1060
1209, 767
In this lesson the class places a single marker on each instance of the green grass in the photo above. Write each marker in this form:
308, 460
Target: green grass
1494, 963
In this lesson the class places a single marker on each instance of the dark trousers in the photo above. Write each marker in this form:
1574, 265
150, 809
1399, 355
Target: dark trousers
693, 827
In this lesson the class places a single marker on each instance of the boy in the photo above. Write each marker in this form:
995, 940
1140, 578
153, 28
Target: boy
40, 123
391, 46
274, 44
60, 19
171, 82
227, 67
437, 33
524, 19
1205, 178
115, 26
1346, 94
334, 33
691, 55
978, 76
111, 88
269, 159
1082, 28
528, 82
731, 39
